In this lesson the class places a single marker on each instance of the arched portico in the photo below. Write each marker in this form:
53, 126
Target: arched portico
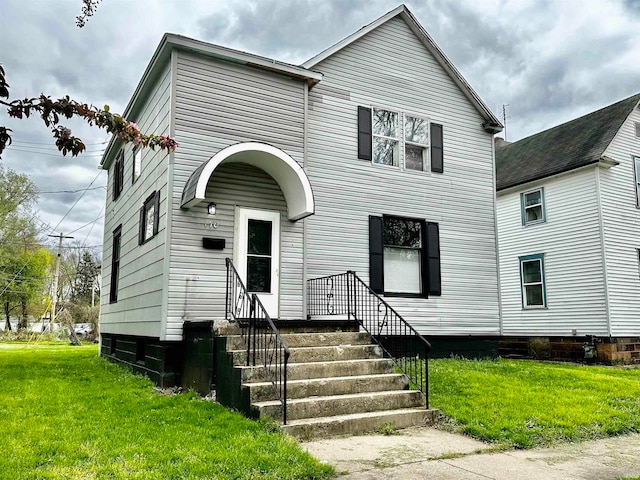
289, 175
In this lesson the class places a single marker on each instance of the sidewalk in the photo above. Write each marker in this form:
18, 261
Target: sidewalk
433, 454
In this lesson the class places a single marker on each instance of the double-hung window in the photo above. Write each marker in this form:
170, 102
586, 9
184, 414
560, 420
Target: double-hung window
532, 207
118, 175
532, 281
404, 256
137, 163
385, 137
115, 264
636, 164
416, 143
149, 218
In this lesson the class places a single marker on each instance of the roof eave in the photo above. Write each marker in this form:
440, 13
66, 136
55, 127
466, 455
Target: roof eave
491, 124
172, 41
603, 162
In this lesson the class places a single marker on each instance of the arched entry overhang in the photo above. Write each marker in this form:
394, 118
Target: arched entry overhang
289, 175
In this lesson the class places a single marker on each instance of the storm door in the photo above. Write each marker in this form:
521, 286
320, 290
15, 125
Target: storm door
257, 254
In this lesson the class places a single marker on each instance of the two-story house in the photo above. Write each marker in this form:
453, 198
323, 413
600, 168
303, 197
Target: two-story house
569, 237
374, 156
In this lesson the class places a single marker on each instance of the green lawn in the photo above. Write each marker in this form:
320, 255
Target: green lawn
65, 413
524, 404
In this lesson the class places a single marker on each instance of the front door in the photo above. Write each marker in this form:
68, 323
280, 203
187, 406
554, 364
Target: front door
257, 254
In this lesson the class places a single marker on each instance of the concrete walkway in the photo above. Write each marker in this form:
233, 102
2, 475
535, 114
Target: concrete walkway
433, 454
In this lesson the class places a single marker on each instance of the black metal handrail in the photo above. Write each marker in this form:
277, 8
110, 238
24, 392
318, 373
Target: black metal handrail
261, 338
237, 300
346, 294
267, 347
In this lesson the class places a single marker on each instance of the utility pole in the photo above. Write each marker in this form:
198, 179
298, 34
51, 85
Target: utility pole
54, 299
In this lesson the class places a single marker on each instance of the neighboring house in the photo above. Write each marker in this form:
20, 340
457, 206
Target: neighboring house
569, 236
374, 156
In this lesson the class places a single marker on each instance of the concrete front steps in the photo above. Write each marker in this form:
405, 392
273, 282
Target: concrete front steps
338, 384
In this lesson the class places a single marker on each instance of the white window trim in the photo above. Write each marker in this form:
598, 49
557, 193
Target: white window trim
396, 139
137, 162
427, 160
636, 180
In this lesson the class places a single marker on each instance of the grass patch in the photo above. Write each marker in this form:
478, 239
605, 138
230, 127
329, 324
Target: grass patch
524, 404
65, 413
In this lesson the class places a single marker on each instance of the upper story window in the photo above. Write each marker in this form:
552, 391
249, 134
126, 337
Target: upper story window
532, 281
636, 164
385, 137
532, 207
137, 163
118, 175
384, 134
149, 218
637, 129
416, 143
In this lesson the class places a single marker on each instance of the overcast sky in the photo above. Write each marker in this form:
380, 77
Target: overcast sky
549, 61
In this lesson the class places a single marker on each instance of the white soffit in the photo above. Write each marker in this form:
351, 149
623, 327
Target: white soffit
289, 175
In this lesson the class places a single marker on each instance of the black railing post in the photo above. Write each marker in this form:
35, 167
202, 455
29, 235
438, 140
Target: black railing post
284, 393
426, 373
226, 297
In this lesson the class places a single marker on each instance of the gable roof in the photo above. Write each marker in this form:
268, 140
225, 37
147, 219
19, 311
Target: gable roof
572, 145
162, 55
492, 124
304, 72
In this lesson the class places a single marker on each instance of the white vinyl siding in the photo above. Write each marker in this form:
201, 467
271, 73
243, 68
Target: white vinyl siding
138, 310
621, 218
347, 190
573, 269
219, 104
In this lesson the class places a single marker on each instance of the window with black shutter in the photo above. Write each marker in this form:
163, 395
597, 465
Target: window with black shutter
149, 218
437, 160
404, 256
115, 264
384, 134
118, 175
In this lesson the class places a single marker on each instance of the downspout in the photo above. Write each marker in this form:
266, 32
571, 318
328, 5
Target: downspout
603, 251
495, 229
304, 220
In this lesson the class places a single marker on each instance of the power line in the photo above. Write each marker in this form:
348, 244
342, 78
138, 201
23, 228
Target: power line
73, 191
76, 202
47, 143
16, 149
87, 224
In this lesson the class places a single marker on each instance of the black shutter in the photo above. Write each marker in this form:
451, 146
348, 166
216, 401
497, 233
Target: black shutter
376, 246
433, 256
156, 214
364, 133
141, 226
437, 164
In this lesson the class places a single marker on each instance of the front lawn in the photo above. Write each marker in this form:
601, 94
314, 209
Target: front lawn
523, 404
65, 413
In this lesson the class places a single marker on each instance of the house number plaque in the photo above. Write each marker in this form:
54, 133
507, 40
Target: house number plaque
211, 225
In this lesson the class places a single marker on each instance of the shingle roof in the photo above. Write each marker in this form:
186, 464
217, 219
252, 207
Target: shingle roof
568, 146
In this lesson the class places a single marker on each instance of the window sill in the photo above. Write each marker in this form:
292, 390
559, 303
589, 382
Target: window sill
533, 224
406, 295
524, 309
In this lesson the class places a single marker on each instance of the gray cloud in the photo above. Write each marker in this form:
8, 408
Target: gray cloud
550, 61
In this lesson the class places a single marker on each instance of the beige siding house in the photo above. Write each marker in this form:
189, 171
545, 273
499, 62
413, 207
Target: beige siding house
375, 156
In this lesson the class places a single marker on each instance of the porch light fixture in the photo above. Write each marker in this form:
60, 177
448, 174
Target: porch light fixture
211, 208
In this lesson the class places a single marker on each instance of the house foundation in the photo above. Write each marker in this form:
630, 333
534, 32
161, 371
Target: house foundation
607, 350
